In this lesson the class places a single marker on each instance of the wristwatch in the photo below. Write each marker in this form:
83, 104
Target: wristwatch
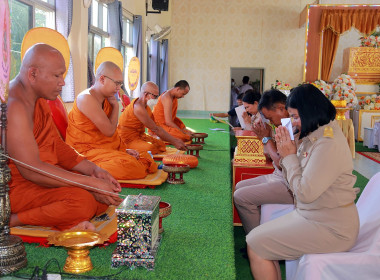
265, 139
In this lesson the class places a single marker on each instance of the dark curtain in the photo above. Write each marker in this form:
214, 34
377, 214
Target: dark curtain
137, 48
164, 63
115, 23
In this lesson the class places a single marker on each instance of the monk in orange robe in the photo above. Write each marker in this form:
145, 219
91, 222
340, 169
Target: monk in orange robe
165, 111
67, 190
92, 128
136, 117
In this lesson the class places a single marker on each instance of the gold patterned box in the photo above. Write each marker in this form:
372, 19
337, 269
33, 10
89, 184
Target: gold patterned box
362, 64
249, 149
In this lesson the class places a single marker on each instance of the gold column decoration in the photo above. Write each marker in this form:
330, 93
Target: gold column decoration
12, 250
249, 149
362, 64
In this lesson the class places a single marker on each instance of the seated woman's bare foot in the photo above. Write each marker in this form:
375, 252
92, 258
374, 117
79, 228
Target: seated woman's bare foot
85, 225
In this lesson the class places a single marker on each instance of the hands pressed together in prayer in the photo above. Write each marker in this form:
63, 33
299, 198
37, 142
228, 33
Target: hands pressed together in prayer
113, 101
262, 129
285, 146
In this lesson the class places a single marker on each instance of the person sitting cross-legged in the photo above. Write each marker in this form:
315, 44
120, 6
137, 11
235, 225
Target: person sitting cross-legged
51, 185
136, 117
92, 128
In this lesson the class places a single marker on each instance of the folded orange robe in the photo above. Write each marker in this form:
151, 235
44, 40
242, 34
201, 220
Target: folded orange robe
62, 207
106, 152
132, 132
159, 116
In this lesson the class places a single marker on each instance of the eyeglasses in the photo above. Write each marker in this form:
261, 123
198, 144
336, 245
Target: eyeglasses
118, 84
153, 95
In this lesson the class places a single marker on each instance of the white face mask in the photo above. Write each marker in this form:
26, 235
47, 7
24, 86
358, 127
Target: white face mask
233, 84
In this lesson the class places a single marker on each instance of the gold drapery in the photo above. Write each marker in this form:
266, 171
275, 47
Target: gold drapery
334, 22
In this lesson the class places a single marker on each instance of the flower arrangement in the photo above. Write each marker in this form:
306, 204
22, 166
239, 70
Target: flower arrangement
343, 88
281, 85
324, 87
370, 41
371, 102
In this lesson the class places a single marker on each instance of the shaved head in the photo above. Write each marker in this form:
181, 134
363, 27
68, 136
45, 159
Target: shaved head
149, 87
39, 56
106, 68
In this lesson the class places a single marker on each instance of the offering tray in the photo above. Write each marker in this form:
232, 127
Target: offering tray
78, 244
199, 137
173, 169
193, 149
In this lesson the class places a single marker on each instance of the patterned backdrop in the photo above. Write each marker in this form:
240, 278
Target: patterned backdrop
210, 36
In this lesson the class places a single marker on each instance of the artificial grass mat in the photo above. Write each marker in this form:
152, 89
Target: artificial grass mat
198, 241
359, 147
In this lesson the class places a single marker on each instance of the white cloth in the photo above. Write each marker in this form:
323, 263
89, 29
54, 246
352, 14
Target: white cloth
360, 262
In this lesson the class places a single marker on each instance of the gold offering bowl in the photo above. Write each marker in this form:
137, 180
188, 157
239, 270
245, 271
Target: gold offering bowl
165, 210
199, 138
174, 169
78, 245
340, 106
193, 149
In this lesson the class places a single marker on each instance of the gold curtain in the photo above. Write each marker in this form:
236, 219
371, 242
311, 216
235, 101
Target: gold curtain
334, 22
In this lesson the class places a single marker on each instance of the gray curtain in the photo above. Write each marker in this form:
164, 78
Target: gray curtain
115, 23
137, 48
154, 62
90, 67
63, 20
164, 63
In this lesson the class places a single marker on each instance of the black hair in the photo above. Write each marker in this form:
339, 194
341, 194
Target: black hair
240, 96
270, 98
245, 80
313, 107
182, 84
250, 96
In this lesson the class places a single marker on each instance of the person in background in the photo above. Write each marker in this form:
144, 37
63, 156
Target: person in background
319, 172
136, 117
165, 111
245, 86
266, 189
231, 114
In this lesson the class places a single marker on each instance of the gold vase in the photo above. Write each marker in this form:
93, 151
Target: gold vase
340, 106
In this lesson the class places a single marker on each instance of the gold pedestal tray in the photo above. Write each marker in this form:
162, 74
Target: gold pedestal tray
193, 149
174, 169
199, 138
165, 210
78, 245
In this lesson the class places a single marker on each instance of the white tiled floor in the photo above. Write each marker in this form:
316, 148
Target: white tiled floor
365, 166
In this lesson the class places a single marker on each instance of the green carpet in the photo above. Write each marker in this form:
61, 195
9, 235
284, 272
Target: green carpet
360, 148
198, 241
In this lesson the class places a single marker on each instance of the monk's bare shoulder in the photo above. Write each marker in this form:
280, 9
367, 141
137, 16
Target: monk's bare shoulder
87, 103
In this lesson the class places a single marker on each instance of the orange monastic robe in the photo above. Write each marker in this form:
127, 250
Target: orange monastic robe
106, 152
132, 132
62, 207
159, 116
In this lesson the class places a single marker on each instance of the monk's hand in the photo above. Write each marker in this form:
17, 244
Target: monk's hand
133, 153
105, 175
179, 144
285, 146
262, 129
107, 199
113, 101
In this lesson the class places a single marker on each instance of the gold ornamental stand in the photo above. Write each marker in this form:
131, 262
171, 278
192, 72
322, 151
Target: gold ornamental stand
12, 250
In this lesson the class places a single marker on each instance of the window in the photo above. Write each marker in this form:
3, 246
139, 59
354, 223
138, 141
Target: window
127, 46
25, 15
98, 36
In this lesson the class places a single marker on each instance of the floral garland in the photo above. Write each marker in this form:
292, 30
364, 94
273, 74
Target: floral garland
370, 41
280, 85
371, 102
324, 87
343, 88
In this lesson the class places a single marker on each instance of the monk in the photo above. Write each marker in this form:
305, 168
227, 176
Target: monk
165, 111
92, 128
136, 117
67, 190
